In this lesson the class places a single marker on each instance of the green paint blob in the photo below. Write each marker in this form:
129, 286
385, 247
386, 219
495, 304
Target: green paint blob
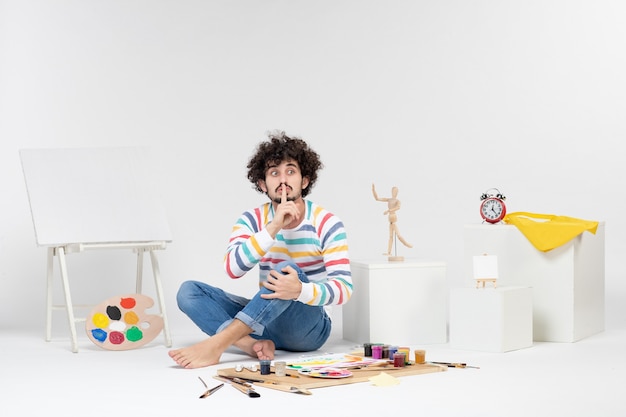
134, 334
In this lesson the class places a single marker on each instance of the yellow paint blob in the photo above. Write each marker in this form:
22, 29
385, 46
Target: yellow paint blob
131, 317
100, 320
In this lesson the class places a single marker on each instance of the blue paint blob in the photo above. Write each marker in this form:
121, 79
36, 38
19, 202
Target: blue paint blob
99, 334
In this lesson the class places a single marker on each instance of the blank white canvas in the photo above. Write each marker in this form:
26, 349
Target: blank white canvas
93, 195
485, 266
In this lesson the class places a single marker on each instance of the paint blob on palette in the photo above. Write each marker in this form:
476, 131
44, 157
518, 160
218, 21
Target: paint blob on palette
121, 323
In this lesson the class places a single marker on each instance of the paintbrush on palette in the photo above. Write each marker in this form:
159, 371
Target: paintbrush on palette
267, 384
286, 388
240, 385
455, 365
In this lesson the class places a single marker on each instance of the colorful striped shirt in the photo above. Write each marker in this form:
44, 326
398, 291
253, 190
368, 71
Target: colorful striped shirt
318, 246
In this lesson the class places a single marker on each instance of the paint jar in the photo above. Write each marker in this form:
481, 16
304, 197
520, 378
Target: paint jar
367, 350
386, 352
377, 351
406, 352
265, 367
398, 359
280, 368
392, 349
420, 356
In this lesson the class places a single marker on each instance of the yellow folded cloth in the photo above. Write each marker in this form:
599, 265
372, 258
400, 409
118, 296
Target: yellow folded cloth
549, 231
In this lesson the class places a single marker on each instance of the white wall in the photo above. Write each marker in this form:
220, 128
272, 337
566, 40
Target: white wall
443, 99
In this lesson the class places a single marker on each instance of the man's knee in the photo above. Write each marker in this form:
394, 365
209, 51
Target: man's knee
282, 265
185, 294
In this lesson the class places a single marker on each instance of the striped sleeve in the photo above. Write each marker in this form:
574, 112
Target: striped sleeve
248, 242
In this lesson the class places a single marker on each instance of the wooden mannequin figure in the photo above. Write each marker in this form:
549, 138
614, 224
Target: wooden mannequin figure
393, 205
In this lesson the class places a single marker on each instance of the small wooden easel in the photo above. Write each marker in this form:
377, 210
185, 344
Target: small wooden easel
483, 281
485, 270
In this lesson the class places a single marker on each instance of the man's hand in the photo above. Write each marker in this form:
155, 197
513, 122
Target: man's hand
285, 213
284, 287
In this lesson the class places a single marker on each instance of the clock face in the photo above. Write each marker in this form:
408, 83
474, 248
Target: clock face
492, 210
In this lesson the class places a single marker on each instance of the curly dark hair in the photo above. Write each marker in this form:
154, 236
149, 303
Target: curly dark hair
278, 148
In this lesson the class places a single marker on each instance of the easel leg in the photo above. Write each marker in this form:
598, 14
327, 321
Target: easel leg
138, 284
68, 298
49, 279
159, 291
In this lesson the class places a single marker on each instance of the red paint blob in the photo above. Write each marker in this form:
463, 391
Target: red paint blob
116, 338
128, 302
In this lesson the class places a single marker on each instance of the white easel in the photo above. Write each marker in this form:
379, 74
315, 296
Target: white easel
94, 199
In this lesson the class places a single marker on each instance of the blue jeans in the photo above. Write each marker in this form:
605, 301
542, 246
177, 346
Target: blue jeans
291, 325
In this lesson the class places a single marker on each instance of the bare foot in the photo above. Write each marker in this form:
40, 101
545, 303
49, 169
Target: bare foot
199, 355
264, 349
209, 351
261, 349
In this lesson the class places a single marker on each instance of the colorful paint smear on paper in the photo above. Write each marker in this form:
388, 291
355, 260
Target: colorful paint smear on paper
334, 360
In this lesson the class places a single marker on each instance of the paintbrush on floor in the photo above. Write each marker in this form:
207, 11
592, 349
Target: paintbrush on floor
209, 391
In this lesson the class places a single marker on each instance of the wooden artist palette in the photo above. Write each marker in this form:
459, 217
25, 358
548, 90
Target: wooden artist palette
358, 375
120, 323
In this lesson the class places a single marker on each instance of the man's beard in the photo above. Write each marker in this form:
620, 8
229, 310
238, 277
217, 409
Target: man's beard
277, 199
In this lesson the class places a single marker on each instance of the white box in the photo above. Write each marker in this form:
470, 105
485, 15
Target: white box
567, 282
491, 319
402, 303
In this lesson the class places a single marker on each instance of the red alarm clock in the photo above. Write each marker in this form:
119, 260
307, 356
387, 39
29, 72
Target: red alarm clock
492, 208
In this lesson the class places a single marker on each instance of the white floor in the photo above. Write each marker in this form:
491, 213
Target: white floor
586, 378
